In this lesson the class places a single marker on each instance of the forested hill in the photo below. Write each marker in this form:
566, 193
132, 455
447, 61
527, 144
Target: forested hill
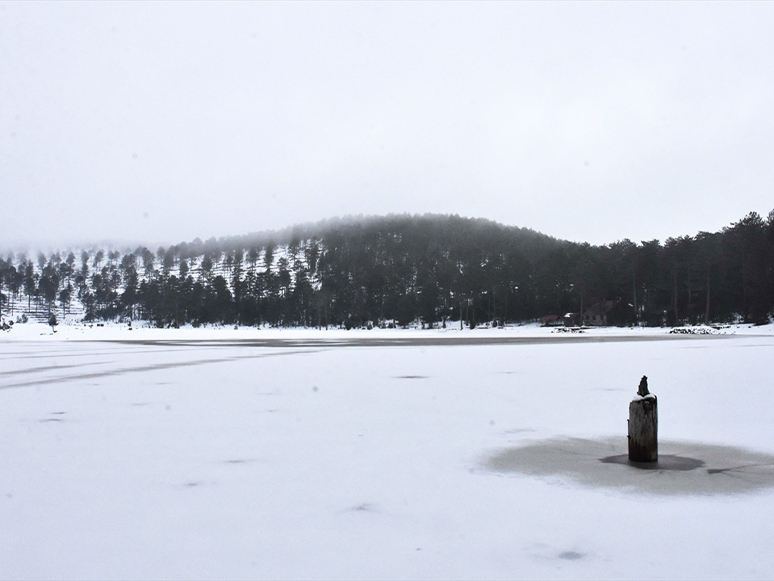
396, 270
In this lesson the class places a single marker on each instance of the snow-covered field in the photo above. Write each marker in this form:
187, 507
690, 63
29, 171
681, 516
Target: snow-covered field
223, 453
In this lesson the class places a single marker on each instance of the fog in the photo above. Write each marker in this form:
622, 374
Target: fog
162, 122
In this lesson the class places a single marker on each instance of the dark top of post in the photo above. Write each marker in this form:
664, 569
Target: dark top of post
643, 425
643, 389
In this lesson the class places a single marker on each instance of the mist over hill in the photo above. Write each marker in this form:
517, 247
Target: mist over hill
429, 270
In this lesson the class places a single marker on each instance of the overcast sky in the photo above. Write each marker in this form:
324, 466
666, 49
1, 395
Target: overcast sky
162, 122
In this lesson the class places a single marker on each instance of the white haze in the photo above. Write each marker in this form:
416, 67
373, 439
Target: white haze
161, 122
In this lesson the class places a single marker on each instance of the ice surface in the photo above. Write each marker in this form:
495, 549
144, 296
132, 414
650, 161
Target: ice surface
688, 468
160, 453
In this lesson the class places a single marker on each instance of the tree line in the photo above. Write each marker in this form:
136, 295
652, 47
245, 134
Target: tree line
396, 270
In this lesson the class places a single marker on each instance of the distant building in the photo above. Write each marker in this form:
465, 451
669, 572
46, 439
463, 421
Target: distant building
600, 314
571, 319
550, 321
597, 315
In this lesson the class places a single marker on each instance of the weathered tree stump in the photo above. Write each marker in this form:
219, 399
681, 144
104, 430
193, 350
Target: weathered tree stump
643, 426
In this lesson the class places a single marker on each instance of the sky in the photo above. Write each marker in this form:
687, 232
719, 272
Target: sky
160, 122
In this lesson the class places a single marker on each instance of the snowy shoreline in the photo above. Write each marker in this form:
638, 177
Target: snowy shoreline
69, 331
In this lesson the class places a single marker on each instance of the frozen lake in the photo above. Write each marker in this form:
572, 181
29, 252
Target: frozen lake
394, 457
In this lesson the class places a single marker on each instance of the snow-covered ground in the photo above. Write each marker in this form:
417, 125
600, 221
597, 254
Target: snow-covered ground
107, 331
207, 453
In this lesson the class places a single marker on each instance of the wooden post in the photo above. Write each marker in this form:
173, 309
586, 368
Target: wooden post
643, 426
